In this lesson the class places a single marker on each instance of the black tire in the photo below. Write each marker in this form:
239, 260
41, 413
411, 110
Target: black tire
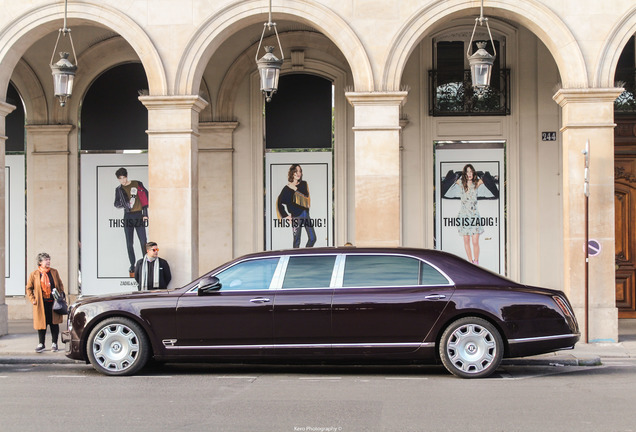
118, 346
471, 347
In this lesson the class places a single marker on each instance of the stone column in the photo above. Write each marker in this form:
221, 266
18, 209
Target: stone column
48, 196
588, 114
377, 167
172, 181
215, 194
5, 110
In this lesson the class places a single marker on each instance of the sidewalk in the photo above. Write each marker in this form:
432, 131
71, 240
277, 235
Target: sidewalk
19, 347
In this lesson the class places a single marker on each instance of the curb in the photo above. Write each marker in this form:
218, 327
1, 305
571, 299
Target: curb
589, 361
37, 360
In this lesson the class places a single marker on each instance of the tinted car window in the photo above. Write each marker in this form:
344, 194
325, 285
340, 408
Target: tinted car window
430, 276
309, 272
248, 275
377, 270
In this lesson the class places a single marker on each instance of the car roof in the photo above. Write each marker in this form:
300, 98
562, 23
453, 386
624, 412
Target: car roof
459, 270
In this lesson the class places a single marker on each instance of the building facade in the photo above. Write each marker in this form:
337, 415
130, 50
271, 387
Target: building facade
400, 104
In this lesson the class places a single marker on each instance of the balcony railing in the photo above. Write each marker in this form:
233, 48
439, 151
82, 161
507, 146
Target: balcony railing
457, 98
626, 102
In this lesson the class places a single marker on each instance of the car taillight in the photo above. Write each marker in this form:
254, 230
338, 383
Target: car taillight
564, 306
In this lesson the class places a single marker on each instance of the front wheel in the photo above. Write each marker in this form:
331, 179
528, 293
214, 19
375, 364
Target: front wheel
471, 347
118, 346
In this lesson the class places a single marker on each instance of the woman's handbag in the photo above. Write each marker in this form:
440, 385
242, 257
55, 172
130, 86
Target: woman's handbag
60, 306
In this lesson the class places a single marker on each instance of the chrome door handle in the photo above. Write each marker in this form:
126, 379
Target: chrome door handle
435, 297
260, 300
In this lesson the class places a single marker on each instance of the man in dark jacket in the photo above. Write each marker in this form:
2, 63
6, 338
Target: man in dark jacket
152, 272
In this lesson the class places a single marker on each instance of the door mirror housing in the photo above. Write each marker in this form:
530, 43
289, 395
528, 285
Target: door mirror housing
209, 285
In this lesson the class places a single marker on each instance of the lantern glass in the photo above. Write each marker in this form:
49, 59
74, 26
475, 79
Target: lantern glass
480, 73
269, 78
63, 83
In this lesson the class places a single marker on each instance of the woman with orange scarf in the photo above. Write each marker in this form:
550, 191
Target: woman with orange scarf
39, 288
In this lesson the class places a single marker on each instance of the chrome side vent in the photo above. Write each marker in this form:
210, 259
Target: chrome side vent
169, 342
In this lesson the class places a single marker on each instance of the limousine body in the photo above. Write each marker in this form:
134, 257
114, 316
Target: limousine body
327, 304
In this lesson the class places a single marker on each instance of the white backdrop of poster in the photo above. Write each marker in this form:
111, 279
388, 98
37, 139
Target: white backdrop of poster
488, 160
317, 172
104, 254
14, 226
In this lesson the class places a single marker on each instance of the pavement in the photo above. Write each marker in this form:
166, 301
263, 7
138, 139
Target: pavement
18, 347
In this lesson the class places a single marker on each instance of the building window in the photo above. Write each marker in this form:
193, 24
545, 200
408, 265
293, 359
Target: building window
626, 77
450, 89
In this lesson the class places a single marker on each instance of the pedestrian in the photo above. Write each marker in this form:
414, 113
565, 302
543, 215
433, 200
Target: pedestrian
152, 272
39, 289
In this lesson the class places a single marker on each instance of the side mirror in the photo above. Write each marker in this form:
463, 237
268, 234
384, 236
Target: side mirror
209, 285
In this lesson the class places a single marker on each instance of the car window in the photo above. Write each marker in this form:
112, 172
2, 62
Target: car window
248, 275
430, 276
379, 270
309, 272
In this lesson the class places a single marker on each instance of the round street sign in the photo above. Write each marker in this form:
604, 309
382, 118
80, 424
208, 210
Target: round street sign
593, 247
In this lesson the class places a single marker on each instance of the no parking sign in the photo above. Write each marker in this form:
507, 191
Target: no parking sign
593, 247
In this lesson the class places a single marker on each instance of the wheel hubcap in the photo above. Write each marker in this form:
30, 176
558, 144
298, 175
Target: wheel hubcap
116, 347
471, 348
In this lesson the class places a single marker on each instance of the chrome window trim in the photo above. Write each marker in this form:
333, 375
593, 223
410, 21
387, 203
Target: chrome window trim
337, 276
542, 338
449, 281
302, 346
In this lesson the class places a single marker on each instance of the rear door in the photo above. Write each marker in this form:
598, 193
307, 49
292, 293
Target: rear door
386, 304
302, 309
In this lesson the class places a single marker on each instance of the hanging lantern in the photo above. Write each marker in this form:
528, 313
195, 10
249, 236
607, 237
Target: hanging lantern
269, 65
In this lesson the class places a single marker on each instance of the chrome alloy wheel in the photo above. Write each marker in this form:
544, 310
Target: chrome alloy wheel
471, 348
116, 347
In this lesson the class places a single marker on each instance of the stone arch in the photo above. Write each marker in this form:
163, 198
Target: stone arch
220, 26
612, 49
539, 19
30, 89
16, 38
244, 66
102, 57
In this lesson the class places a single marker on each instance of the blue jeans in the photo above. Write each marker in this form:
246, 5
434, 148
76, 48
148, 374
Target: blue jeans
303, 221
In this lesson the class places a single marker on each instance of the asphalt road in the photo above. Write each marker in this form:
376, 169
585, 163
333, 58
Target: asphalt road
73, 397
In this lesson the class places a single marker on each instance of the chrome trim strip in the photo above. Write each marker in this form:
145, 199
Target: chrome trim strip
279, 273
542, 338
338, 271
300, 346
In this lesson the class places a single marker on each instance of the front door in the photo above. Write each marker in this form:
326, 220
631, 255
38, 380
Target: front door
235, 320
625, 225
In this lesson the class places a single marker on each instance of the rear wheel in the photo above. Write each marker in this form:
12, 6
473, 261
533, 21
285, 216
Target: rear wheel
118, 346
471, 347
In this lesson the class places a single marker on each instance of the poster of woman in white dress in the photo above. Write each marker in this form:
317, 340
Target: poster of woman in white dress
470, 213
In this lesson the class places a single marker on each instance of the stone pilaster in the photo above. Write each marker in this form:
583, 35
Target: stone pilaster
215, 194
377, 167
172, 180
5, 110
48, 195
588, 114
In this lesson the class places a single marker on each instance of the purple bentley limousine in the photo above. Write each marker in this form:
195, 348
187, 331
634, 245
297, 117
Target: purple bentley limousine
345, 304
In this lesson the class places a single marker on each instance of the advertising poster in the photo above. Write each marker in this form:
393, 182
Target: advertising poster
14, 226
298, 200
114, 221
469, 197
